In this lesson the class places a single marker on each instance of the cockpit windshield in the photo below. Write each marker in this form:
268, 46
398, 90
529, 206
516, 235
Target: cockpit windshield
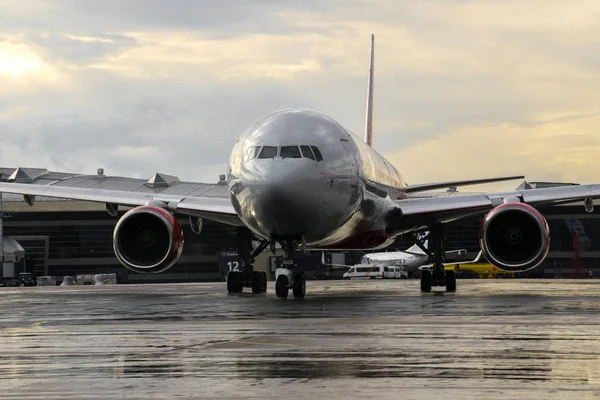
304, 151
318, 155
268, 152
307, 152
252, 152
290, 152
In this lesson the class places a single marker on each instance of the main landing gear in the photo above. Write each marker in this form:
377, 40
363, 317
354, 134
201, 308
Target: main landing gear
246, 276
437, 275
287, 277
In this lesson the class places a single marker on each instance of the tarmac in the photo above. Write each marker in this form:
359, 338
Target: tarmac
505, 339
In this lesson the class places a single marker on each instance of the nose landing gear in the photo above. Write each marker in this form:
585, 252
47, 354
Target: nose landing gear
287, 276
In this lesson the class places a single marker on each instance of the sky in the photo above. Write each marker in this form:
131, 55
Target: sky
463, 89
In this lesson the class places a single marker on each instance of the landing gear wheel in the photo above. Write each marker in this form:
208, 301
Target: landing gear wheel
299, 286
257, 282
234, 282
426, 280
450, 279
281, 287
263, 281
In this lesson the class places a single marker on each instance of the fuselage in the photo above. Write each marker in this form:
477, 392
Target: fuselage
299, 175
411, 261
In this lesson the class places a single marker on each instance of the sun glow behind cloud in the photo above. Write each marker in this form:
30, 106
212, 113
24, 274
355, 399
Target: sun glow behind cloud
22, 66
16, 60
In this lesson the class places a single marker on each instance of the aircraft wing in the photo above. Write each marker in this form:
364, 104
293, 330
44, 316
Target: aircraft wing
217, 209
424, 212
445, 185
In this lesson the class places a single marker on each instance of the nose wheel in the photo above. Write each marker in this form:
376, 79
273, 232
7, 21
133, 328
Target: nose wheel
283, 283
287, 276
299, 286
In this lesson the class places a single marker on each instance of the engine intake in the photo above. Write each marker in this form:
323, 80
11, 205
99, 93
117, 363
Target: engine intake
148, 240
515, 237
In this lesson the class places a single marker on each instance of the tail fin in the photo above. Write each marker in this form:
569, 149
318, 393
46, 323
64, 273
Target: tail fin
424, 242
369, 117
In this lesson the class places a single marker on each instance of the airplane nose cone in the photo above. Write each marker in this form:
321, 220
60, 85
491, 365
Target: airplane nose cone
276, 172
279, 199
290, 199
283, 201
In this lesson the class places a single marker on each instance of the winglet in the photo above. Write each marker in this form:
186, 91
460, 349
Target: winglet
369, 116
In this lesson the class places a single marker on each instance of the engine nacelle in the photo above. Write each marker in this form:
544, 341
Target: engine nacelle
515, 237
148, 240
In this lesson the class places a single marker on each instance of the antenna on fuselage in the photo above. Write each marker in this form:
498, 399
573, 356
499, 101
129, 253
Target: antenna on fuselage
369, 117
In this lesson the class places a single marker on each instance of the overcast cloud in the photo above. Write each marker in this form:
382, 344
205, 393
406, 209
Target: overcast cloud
464, 89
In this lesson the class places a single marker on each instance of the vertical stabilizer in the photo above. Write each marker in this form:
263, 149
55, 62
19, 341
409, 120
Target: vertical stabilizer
369, 117
421, 237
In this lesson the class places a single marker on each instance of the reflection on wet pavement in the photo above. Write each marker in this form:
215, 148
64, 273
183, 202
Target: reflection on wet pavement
369, 339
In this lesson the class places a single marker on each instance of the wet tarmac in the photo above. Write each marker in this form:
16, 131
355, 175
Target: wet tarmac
507, 339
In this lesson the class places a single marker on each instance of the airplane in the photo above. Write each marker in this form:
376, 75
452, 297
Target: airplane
411, 258
298, 178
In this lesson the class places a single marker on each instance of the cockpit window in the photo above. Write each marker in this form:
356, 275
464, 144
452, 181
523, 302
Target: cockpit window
318, 155
268, 152
248, 153
306, 152
252, 152
290, 152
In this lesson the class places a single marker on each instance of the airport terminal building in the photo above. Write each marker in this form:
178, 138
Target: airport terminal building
67, 237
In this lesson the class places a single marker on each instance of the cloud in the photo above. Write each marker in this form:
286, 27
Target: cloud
22, 64
494, 87
564, 148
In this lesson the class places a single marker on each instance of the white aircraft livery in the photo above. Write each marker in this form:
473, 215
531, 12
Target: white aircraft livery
300, 179
411, 258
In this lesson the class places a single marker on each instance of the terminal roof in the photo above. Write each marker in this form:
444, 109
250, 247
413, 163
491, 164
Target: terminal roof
26, 175
161, 180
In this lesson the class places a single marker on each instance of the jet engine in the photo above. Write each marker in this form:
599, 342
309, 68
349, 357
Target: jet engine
148, 240
514, 237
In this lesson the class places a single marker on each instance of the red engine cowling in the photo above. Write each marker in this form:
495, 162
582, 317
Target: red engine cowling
148, 240
515, 237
